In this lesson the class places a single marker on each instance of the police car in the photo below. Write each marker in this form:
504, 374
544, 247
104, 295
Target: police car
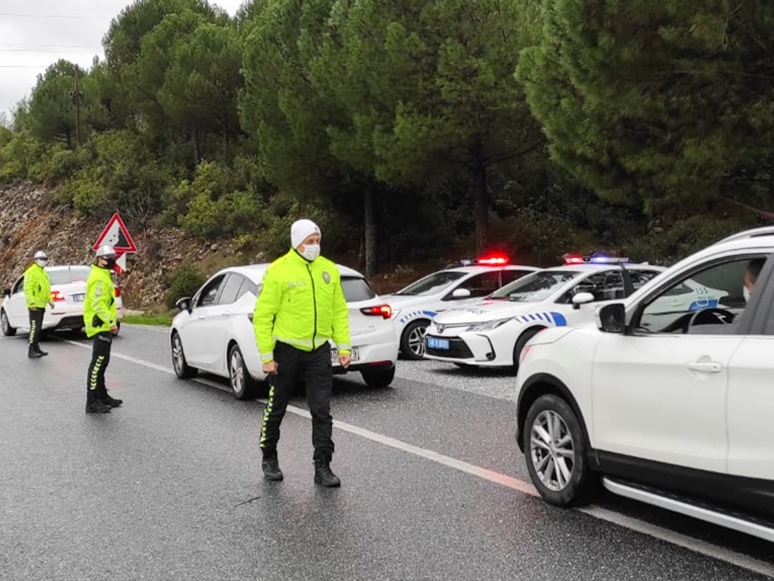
666, 402
492, 332
214, 331
416, 305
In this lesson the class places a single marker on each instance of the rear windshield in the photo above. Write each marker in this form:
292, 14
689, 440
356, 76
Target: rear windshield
356, 289
69, 275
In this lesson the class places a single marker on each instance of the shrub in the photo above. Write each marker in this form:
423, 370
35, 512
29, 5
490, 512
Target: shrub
183, 282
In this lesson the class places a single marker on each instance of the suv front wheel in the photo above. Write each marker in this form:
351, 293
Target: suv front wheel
556, 452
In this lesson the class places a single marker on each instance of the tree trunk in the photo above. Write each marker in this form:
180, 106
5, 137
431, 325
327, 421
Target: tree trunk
369, 210
478, 188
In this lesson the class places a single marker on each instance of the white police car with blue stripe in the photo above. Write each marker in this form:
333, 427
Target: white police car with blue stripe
416, 305
492, 332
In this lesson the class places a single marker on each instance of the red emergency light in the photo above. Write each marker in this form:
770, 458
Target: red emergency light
493, 260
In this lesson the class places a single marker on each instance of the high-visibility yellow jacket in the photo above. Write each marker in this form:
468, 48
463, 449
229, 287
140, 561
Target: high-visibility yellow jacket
301, 303
99, 309
37, 287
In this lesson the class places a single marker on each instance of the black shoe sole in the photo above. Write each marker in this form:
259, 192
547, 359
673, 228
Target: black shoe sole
107, 411
273, 477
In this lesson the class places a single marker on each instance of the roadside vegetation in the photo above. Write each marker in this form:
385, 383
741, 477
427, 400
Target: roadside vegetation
412, 130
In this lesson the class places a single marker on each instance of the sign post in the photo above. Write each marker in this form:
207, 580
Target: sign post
116, 235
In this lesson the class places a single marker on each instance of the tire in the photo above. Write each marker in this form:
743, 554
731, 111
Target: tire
8, 331
521, 342
379, 377
180, 365
412, 341
243, 385
551, 418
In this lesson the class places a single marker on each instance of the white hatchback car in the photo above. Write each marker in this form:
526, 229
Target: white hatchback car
664, 401
68, 289
416, 305
214, 331
492, 332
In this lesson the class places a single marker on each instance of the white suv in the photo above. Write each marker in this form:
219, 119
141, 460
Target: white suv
665, 400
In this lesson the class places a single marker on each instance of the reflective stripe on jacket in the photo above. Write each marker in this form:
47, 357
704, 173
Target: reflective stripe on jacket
301, 303
99, 310
37, 287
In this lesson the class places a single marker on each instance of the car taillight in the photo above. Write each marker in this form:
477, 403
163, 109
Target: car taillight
118, 292
56, 296
384, 311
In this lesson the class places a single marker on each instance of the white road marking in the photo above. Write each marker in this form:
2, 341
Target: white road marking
633, 524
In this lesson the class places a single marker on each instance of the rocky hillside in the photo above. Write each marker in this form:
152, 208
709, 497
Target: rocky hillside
30, 220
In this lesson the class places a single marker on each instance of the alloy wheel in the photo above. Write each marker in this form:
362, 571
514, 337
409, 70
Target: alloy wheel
178, 359
236, 371
416, 340
552, 450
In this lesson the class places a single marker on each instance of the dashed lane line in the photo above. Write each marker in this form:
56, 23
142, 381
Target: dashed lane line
633, 524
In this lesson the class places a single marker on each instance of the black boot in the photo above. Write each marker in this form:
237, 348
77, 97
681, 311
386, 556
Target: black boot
34, 354
95, 406
104, 397
41, 352
271, 469
324, 475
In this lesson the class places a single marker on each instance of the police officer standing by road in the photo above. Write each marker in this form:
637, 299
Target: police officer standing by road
100, 317
300, 308
37, 292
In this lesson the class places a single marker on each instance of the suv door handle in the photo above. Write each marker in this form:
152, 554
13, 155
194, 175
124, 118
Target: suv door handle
705, 366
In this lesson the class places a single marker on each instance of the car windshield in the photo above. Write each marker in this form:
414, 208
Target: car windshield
69, 275
356, 289
536, 287
432, 284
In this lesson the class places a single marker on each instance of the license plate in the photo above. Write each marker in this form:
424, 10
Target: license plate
436, 343
79, 298
354, 355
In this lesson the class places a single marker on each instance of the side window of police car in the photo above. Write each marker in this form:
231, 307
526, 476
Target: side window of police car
709, 301
209, 293
483, 284
18, 287
605, 286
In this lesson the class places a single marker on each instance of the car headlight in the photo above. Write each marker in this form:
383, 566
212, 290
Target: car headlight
489, 325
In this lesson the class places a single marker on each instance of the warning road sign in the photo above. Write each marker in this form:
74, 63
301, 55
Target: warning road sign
116, 235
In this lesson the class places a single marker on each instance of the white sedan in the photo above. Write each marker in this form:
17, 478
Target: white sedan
492, 332
669, 403
214, 331
416, 305
68, 289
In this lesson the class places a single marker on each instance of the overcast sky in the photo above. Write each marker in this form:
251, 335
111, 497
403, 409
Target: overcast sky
37, 33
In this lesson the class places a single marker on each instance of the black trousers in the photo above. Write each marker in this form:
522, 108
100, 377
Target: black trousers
100, 357
316, 370
36, 324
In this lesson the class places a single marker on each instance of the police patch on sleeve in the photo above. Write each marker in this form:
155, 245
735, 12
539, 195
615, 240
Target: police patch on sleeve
326, 277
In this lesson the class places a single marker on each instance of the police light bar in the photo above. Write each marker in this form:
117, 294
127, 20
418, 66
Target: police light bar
598, 259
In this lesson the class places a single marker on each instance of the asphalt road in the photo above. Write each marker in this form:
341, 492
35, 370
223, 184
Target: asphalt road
169, 486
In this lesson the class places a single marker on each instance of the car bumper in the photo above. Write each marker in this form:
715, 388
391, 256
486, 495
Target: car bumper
470, 348
381, 354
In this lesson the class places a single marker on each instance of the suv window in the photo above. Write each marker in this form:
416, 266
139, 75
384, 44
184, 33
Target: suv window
718, 288
248, 286
19, 286
483, 284
605, 286
209, 292
230, 289
69, 275
356, 289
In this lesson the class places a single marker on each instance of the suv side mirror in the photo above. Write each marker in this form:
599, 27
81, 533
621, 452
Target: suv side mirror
612, 318
581, 299
460, 293
184, 304
6, 292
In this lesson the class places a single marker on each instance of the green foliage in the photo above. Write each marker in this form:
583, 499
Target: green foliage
655, 103
184, 281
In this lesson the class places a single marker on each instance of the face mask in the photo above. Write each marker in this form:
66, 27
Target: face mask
111, 262
42, 262
746, 294
311, 251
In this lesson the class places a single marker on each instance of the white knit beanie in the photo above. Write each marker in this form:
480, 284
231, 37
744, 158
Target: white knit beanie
301, 230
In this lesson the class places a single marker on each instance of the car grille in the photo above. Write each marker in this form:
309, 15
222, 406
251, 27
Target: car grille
458, 349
